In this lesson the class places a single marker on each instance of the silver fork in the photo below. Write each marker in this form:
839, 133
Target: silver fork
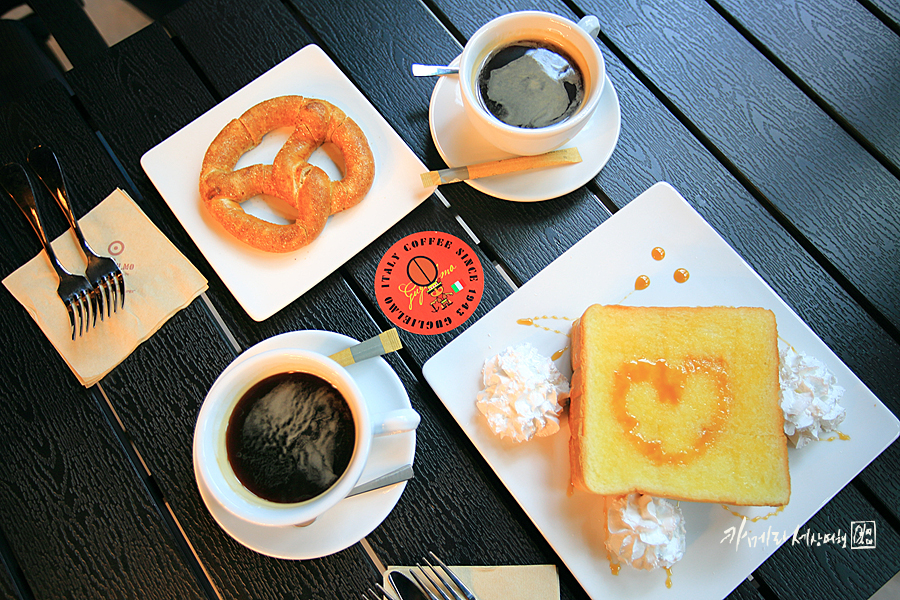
440, 582
101, 271
75, 291
373, 595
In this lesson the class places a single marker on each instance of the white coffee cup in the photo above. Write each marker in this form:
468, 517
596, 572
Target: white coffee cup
211, 456
574, 39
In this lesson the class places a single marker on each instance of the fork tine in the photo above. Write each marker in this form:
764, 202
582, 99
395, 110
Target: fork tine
447, 584
98, 295
114, 292
71, 313
90, 299
423, 586
431, 580
373, 595
93, 296
108, 296
468, 593
85, 300
120, 277
76, 302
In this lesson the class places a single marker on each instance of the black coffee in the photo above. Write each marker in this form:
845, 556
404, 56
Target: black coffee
531, 85
290, 437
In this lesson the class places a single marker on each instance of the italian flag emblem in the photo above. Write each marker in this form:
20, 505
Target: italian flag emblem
456, 287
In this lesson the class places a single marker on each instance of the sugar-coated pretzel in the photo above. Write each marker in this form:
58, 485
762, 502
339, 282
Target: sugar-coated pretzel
290, 177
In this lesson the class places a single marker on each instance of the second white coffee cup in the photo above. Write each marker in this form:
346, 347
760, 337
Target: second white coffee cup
544, 29
215, 467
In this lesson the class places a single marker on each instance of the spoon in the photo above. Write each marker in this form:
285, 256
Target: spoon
381, 344
431, 70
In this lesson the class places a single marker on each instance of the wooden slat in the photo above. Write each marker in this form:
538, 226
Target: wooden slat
860, 83
78, 518
843, 572
139, 93
793, 155
228, 57
886, 10
11, 585
72, 28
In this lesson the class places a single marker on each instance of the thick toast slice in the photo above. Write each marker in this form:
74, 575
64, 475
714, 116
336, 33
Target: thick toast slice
681, 403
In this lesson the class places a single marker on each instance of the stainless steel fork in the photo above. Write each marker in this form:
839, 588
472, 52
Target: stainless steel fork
75, 291
101, 271
441, 583
373, 595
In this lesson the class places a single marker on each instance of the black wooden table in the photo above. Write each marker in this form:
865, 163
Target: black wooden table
778, 121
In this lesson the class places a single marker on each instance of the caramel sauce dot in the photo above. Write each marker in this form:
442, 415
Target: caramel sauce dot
658, 253
642, 283
681, 275
525, 321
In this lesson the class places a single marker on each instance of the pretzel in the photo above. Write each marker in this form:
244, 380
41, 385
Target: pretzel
290, 177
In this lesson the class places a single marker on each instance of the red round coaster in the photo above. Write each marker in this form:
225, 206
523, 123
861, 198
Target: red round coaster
429, 282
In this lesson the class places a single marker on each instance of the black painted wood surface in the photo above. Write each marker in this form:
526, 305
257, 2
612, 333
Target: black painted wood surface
842, 55
77, 515
729, 101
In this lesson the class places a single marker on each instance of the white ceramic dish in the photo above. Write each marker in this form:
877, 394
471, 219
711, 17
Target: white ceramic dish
352, 518
459, 144
264, 283
602, 268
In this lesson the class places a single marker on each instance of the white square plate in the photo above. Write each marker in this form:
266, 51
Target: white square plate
264, 283
602, 268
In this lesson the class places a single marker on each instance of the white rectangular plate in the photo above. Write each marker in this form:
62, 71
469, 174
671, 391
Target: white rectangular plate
602, 268
264, 283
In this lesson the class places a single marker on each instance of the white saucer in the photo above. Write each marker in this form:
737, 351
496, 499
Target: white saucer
353, 518
459, 144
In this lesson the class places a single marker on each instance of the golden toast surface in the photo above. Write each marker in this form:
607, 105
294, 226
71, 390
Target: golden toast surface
680, 403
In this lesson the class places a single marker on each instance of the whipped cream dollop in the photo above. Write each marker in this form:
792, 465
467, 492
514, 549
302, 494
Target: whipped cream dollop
522, 393
645, 532
809, 397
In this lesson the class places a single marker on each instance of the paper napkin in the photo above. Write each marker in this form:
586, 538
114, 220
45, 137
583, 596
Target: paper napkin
522, 582
159, 281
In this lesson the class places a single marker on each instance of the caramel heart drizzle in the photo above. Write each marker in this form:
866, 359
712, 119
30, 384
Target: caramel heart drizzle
669, 381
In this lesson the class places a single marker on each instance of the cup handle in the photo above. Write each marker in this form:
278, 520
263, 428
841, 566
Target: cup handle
591, 24
395, 421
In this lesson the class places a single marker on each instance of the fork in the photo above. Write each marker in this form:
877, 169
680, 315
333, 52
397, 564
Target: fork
75, 291
440, 583
103, 272
373, 595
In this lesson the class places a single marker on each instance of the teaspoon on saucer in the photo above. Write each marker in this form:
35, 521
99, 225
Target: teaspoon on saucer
432, 70
383, 343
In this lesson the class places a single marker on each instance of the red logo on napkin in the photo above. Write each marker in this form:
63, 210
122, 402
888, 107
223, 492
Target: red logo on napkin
429, 282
